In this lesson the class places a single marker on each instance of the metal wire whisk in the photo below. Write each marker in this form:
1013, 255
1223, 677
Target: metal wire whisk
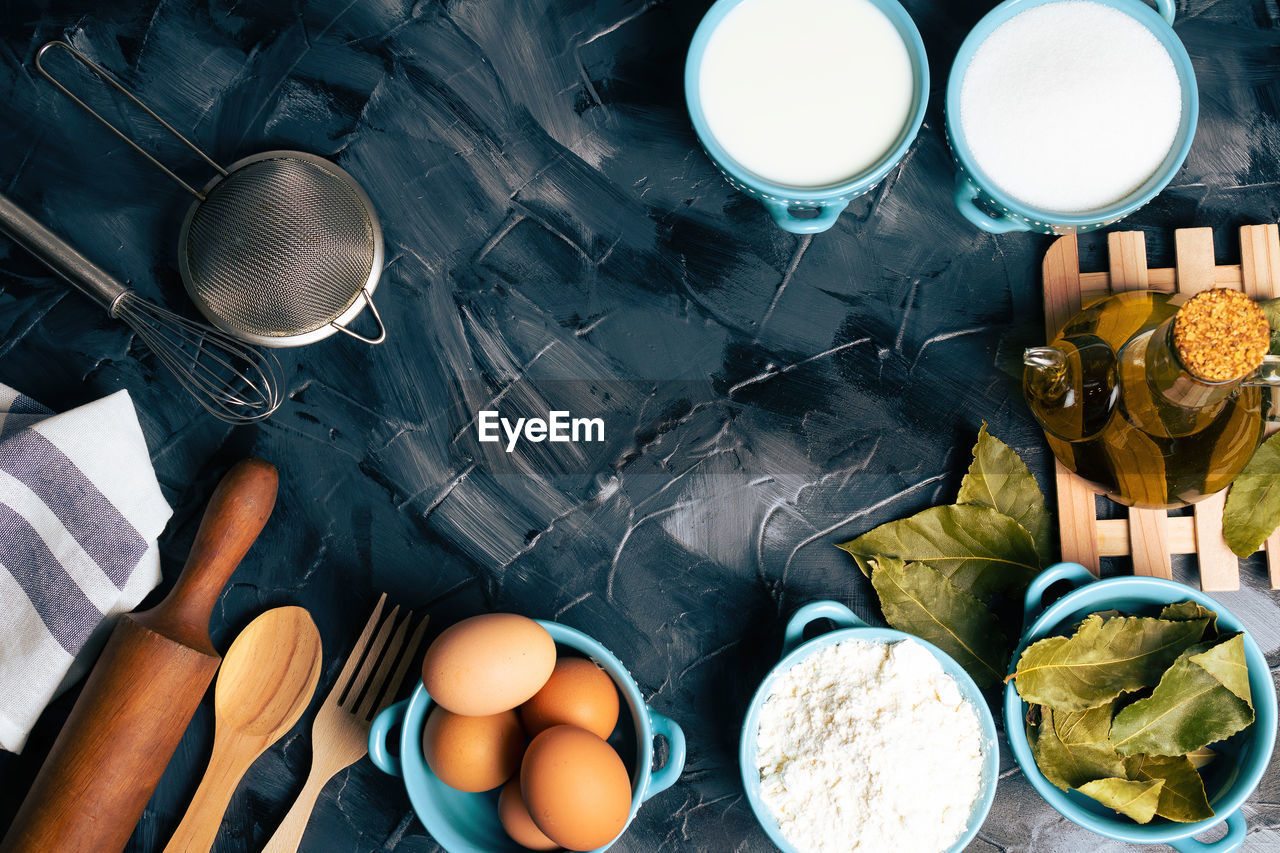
233, 381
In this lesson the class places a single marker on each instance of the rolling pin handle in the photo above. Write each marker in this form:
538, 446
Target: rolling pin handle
237, 512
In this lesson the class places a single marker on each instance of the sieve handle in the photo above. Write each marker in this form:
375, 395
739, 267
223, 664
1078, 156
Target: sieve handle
101, 73
373, 309
59, 257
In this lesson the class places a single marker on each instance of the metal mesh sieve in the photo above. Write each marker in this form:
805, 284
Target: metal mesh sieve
283, 246
279, 248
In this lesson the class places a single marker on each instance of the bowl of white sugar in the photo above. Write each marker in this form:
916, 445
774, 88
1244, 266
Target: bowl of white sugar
806, 104
1064, 116
867, 740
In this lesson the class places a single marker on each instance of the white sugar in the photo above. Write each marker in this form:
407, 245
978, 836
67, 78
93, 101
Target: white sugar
1071, 106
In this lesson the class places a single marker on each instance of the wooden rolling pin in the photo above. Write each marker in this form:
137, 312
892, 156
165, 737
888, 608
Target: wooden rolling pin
143, 691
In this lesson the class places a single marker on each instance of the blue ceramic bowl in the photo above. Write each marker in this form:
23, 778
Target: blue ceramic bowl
975, 193
1242, 759
781, 201
468, 823
853, 628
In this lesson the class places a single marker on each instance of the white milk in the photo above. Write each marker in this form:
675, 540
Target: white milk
1070, 106
806, 93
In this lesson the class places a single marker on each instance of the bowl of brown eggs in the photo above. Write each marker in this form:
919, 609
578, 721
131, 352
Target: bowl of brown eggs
524, 735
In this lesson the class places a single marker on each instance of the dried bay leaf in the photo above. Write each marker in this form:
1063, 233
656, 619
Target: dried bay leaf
1182, 798
981, 551
1135, 800
1271, 308
998, 478
1201, 757
939, 573
917, 599
1071, 763
1089, 726
1101, 661
1189, 709
1253, 504
1186, 611
1226, 662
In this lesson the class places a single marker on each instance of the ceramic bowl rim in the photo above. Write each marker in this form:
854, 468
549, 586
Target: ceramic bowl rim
420, 704
1119, 828
986, 720
1149, 189
870, 176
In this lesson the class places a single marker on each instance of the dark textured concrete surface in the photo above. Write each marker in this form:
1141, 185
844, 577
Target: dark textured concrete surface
551, 219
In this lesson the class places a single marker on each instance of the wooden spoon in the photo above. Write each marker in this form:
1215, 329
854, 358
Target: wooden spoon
267, 679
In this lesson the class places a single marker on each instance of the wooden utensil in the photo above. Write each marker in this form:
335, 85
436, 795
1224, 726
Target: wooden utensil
340, 733
143, 691
267, 680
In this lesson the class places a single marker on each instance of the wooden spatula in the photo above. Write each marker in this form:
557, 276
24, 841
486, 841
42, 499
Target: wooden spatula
267, 680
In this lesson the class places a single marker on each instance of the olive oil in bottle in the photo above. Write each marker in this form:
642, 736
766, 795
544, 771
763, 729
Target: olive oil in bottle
1145, 394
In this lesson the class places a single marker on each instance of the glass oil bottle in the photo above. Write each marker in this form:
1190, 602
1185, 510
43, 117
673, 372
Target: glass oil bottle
1152, 397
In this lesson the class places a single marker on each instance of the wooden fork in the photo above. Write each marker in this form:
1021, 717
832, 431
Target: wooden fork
340, 733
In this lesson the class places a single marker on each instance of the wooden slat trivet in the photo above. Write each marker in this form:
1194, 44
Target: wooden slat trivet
1147, 538
1150, 536
1077, 512
1259, 272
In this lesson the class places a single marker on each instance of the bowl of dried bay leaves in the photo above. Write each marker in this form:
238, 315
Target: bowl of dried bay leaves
1140, 709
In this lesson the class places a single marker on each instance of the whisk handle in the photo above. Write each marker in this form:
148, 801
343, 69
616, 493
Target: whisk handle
58, 256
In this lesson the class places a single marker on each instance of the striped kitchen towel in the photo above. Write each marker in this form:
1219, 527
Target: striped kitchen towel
80, 510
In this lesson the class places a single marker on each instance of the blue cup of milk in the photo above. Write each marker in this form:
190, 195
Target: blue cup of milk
1064, 116
806, 104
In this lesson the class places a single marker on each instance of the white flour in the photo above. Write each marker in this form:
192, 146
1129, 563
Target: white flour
1070, 106
869, 747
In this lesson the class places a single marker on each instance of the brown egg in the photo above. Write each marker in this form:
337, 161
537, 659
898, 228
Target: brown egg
516, 821
576, 788
473, 753
488, 663
578, 693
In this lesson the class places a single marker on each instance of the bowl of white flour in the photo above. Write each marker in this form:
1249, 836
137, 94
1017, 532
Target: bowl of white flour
867, 740
1064, 116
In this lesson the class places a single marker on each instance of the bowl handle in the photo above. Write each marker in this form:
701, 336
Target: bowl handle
1233, 840
387, 720
781, 213
811, 612
664, 778
1167, 9
965, 197
1073, 573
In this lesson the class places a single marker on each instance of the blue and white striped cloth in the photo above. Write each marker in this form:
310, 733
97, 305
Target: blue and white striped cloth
80, 510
